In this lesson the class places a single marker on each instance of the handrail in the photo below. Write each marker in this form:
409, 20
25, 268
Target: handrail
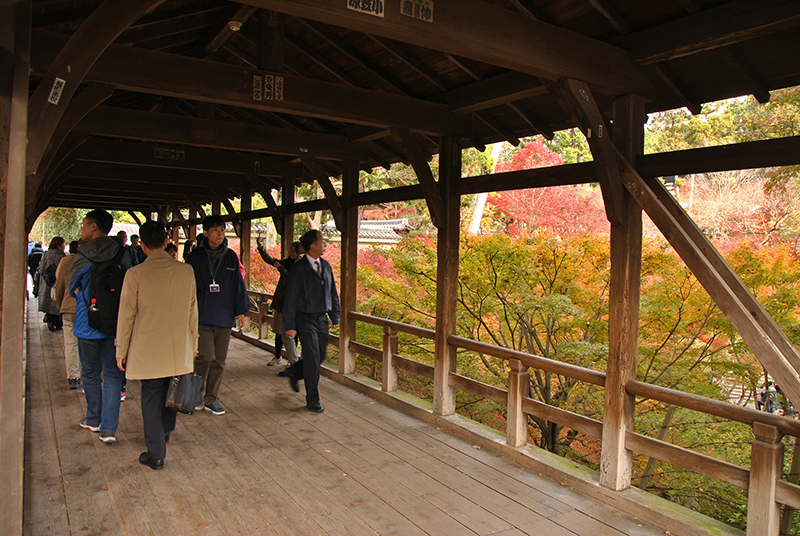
530, 360
710, 406
397, 326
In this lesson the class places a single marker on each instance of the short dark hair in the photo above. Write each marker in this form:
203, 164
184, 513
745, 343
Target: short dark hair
296, 247
153, 234
215, 220
136, 236
74, 246
103, 219
309, 238
170, 247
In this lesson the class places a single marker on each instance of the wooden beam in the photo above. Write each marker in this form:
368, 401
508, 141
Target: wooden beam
736, 59
186, 158
271, 41
612, 15
412, 61
133, 215
313, 166
496, 36
444, 396
15, 23
581, 105
764, 337
678, 87
134, 124
136, 69
287, 205
219, 34
433, 195
726, 24
68, 69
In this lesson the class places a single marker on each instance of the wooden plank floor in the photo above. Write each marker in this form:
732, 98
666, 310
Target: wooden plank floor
268, 467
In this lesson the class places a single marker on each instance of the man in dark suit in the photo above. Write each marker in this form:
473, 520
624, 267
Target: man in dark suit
310, 299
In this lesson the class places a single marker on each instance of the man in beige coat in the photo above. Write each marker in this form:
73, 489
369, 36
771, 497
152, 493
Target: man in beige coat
157, 334
66, 306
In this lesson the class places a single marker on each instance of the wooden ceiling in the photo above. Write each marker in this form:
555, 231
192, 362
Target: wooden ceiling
168, 115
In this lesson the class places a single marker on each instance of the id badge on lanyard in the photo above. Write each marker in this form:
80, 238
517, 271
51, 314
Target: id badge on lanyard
213, 287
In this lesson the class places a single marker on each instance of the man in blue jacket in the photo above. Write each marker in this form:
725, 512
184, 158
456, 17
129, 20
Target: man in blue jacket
221, 301
309, 301
102, 380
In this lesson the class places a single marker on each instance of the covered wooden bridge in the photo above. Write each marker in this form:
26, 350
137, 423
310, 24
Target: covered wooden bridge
164, 106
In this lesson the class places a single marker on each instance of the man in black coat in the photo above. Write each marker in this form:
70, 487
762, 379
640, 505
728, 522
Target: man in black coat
310, 299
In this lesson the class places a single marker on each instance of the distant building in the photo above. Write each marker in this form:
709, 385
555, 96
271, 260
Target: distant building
373, 232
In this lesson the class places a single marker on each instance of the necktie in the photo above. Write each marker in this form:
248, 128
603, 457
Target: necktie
319, 267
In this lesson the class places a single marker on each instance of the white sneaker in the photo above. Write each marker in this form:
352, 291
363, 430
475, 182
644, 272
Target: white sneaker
199, 407
274, 361
283, 362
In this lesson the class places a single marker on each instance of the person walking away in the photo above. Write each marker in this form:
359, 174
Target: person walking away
310, 300
46, 275
277, 304
66, 306
221, 301
34, 259
157, 334
102, 379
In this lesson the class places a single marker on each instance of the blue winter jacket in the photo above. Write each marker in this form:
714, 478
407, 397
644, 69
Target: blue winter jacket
99, 250
219, 308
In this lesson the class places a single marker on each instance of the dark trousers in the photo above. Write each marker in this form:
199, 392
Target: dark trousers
157, 418
313, 332
209, 363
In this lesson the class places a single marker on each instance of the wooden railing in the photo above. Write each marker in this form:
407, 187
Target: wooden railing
259, 312
763, 480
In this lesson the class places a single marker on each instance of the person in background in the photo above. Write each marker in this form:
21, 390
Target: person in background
66, 306
277, 303
137, 248
122, 235
310, 300
48, 267
222, 302
172, 249
34, 259
157, 335
188, 247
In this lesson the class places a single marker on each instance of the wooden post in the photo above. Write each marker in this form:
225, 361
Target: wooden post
176, 229
244, 243
287, 200
349, 267
15, 33
444, 395
616, 462
766, 466
389, 376
192, 227
216, 207
516, 420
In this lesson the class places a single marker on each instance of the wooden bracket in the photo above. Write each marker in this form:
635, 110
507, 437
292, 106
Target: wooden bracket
236, 220
133, 215
335, 204
197, 207
433, 195
266, 192
577, 100
177, 212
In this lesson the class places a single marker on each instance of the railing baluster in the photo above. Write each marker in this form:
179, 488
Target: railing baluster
389, 375
517, 421
766, 466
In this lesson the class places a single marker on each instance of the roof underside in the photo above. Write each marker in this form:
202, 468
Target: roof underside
173, 133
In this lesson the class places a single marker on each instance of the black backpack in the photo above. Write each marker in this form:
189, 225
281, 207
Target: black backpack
103, 295
49, 275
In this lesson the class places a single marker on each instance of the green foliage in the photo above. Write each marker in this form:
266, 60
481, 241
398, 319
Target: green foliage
571, 145
57, 221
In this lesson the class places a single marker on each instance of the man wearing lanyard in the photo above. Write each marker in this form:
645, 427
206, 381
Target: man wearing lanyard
221, 302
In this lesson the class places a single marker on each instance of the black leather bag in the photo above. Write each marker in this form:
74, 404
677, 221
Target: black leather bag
184, 393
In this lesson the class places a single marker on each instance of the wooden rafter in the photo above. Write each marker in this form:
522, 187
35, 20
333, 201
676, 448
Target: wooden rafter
176, 211
736, 59
612, 15
412, 62
219, 34
720, 26
530, 9
433, 195
489, 121
528, 46
678, 87
236, 219
332, 198
67, 70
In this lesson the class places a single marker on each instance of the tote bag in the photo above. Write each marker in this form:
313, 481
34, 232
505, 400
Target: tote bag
184, 393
